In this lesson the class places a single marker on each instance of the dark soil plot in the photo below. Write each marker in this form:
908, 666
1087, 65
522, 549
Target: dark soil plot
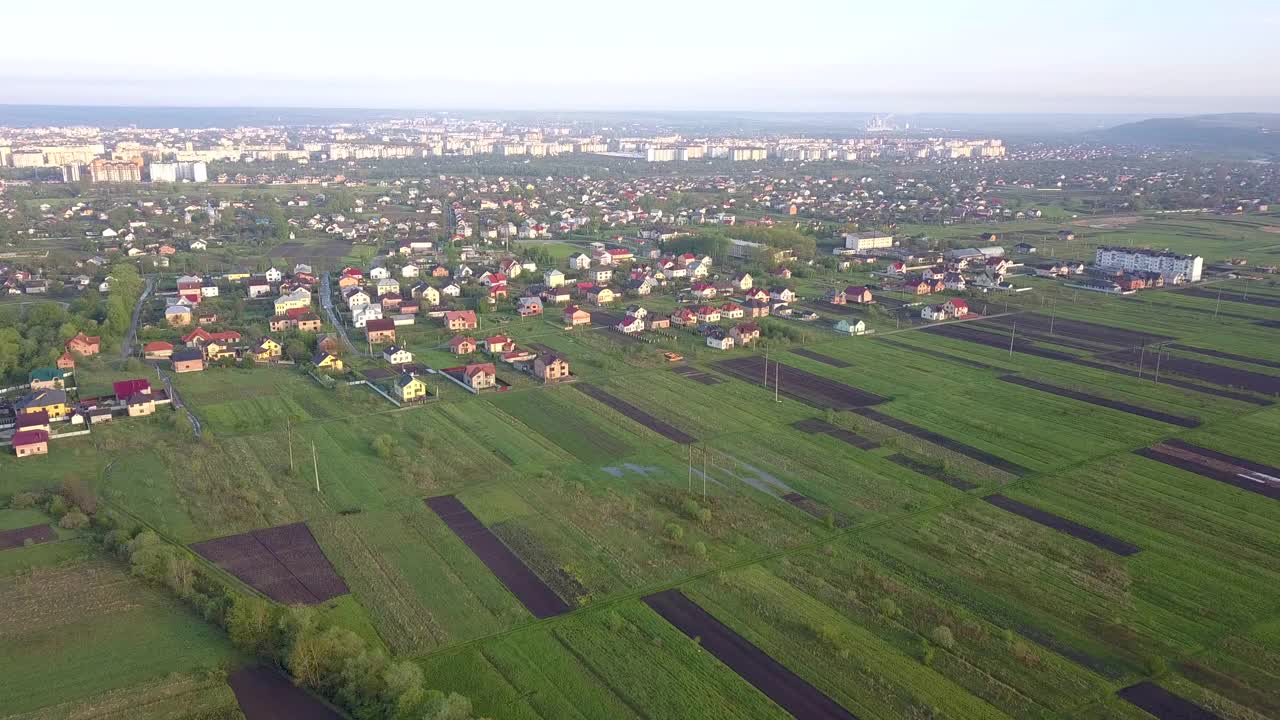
266, 694
304, 250
814, 426
981, 456
1250, 476
824, 359
788, 690
284, 563
1200, 370
1163, 704
1102, 402
816, 509
1231, 296
799, 385
1185, 385
1061, 524
1079, 330
1269, 323
1022, 345
19, 537
1225, 355
696, 375
944, 356
930, 471
829, 308
528, 588
662, 428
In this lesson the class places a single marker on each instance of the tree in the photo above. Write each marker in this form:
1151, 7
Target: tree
942, 637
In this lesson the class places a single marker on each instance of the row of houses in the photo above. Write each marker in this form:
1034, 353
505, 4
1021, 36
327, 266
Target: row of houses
37, 412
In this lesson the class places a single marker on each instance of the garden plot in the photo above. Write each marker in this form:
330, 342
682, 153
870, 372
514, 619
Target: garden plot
631, 411
1074, 529
266, 694
821, 392
284, 563
1163, 704
1102, 401
981, 456
1246, 475
819, 357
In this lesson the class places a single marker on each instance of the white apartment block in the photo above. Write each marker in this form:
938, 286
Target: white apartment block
1171, 266
867, 241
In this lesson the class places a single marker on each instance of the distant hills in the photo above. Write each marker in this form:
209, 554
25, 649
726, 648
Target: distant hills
1233, 132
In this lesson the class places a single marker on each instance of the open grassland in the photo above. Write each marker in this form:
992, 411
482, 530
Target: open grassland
66, 631
179, 696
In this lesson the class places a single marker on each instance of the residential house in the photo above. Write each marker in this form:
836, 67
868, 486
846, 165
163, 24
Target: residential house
209, 288
380, 330
379, 273
529, 306
575, 316
858, 295
409, 271
743, 281
53, 402
600, 275
31, 442
708, 314
461, 320
187, 360
935, 312
327, 361
267, 350
452, 290
66, 362
850, 327
397, 355
956, 307
758, 308
32, 421
684, 317
551, 367
657, 322
600, 296
836, 297
257, 287
480, 376
177, 315
84, 345
364, 313
745, 333
781, 294
496, 344
630, 324
157, 350
719, 340
298, 298
702, 290
462, 345
579, 261
386, 285
273, 275
553, 278
47, 378
409, 388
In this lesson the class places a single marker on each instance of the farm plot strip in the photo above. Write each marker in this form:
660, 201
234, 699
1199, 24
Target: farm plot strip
816, 509
1224, 355
943, 356
662, 428
19, 536
819, 357
930, 471
1102, 402
814, 426
284, 563
793, 693
1079, 329
981, 456
1162, 704
689, 372
266, 694
1229, 296
1246, 475
797, 384
1061, 524
528, 588
1204, 371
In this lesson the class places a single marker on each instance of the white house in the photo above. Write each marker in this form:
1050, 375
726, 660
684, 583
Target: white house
579, 261
720, 341
386, 285
365, 313
451, 290
409, 271
397, 355
357, 298
379, 273
273, 275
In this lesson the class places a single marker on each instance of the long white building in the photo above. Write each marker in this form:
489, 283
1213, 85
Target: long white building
1171, 266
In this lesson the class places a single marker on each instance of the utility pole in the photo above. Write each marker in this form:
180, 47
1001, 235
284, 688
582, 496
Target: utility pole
1013, 331
288, 425
776, 377
704, 472
690, 467
1141, 355
1159, 353
1217, 304
316, 465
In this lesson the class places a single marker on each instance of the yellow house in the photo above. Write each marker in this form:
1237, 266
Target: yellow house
267, 349
215, 350
235, 276
326, 361
52, 401
409, 388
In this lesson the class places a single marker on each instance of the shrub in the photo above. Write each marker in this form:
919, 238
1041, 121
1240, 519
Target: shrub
57, 506
74, 520
926, 653
674, 532
26, 500
942, 637
1156, 665
700, 549
888, 608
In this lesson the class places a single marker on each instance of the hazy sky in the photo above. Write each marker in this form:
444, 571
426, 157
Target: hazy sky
1157, 56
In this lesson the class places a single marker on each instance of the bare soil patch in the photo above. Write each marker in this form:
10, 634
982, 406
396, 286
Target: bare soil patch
930, 471
528, 588
1244, 474
1275, 229
19, 536
662, 428
797, 384
944, 356
1205, 371
816, 509
285, 563
1225, 355
692, 373
1078, 329
819, 357
266, 694
1061, 524
790, 691
814, 426
1163, 704
1231, 296
1109, 222
1102, 402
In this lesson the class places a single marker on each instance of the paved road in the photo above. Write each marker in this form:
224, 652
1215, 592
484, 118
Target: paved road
126, 347
326, 303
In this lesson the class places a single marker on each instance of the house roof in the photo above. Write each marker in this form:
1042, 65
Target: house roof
33, 419
126, 388
157, 345
30, 437
379, 325
473, 370
45, 374
187, 355
467, 315
44, 398
459, 340
406, 381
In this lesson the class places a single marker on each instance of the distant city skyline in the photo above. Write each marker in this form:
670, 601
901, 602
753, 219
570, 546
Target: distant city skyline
1141, 57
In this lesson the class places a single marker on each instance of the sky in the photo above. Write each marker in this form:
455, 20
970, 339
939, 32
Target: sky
1084, 56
